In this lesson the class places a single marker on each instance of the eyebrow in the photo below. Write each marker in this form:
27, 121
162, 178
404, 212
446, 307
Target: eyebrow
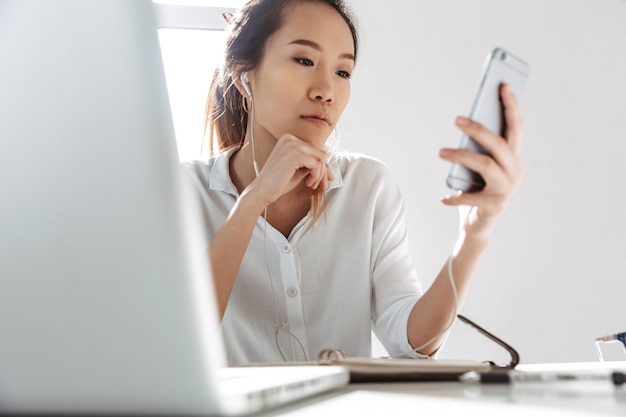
317, 47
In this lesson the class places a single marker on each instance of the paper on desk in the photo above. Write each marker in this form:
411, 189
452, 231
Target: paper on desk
382, 369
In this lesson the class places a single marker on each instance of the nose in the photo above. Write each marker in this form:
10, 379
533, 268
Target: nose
322, 89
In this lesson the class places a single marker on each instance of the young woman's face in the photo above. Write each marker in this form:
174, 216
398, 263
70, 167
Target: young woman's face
302, 84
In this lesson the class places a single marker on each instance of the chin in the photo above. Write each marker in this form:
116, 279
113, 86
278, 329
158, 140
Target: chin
319, 143
316, 139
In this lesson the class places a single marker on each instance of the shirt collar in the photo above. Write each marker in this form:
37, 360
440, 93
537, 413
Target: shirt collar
220, 174
335, 169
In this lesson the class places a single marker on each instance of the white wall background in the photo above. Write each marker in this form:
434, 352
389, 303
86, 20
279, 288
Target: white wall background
554, 277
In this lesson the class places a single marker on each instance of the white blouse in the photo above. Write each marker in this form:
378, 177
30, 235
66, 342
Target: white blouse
330, 283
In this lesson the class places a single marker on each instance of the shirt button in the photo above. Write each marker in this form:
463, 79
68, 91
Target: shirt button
286, 248
292, 291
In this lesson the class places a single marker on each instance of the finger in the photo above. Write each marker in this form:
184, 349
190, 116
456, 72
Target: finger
513, 118
329, 177
488, 205
305, 147
324, 184
307, 160
491, 141
301, 175
499, 149
498, 174
317, 171
313, 181
326, 177
485, 165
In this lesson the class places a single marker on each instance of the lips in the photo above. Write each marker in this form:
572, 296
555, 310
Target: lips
319, 118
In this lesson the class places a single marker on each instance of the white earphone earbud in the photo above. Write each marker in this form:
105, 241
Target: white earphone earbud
244, 80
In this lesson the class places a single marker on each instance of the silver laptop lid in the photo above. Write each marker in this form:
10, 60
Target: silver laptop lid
93, 315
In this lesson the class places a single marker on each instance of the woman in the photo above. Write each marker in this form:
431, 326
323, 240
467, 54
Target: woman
309, 249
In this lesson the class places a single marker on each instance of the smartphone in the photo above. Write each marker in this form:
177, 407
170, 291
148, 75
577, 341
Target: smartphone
501, 67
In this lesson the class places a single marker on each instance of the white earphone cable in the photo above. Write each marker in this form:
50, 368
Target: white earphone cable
454, 311
284, 325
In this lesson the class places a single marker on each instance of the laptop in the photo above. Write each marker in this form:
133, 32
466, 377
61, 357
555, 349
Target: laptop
106, 303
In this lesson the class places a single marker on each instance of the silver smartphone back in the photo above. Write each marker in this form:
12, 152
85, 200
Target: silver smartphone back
500, 67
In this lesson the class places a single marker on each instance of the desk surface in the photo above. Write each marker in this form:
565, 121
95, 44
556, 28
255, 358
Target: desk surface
576, 398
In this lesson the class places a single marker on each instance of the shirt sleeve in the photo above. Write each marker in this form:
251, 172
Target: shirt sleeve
395, 284
194, 186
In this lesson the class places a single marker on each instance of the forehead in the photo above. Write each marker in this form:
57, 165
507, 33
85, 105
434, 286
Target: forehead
314, 21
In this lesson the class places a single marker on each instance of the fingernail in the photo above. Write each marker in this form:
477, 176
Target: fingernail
444, 153
462, 121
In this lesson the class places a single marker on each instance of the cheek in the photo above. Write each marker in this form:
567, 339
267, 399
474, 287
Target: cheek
276, 99
270, 113
342, 96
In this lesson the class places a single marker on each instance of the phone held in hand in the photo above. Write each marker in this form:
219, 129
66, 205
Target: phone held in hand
500, 67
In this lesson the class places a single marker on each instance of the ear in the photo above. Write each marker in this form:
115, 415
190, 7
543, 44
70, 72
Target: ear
237, 80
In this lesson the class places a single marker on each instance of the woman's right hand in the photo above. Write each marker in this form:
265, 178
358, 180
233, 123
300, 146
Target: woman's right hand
291, 161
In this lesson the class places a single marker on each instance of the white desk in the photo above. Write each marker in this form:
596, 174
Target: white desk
578, 398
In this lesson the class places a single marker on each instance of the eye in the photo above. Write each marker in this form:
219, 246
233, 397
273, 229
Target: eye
344, 74
304, 61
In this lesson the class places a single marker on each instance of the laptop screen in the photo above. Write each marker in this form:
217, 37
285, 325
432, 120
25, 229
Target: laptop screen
103, 298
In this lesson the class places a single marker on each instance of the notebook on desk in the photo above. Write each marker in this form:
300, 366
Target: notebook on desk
387, 369
106, 305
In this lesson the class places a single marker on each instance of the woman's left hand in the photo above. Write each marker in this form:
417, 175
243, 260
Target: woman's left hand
502, 171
